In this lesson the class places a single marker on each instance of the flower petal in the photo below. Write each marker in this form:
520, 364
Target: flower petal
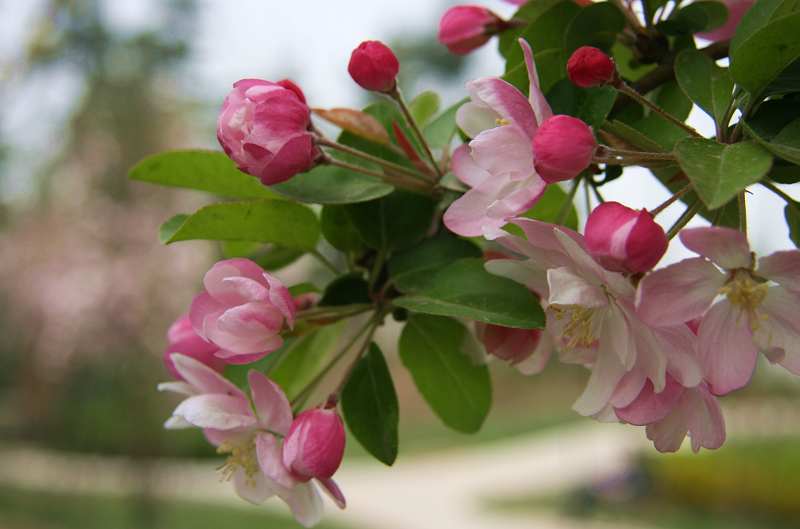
706, 423
725, 246
536, 98
649, 406
268, 452
606, 374
778, 331
473, 118
465, 168
220, 412
305, 502
506, 101
272, 407
725, 345
253, 489
334, 492
503, 150
783, 268
203, 378
568, 288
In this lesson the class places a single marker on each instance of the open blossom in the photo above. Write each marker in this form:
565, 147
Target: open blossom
498, 162
528, 350
263, 127
736, 10
624, 240
242, 311
249, 433
591, 317
757, 310
182, 338
467, 27
374, 66
314, 445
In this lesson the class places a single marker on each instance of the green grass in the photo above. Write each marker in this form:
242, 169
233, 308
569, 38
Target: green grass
28, 509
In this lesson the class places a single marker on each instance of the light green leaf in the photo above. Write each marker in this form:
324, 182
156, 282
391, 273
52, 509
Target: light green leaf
424, 107
718, 172
168, 229
465, 289
269, 221
201, 170
326, 184
437, 351
304, 358
369, 405
705, 83
761, 58
268, 257
549, 206
441, 130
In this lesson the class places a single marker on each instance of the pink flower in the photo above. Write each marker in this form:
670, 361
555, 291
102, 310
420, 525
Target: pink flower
242, 311
263, 127
591, 318
624, 240
589, 66
498, 163
465, 28
250, 434
374, 66
736, 10
314, 446
562, 148
526, 349
676, 412
182, 339
758, 311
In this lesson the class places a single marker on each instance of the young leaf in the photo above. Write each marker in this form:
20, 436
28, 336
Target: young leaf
393, 222
369, 405
208, 171
705, 83
718, 172
326, 184
412, 269
436, 351
441, 130
424, 107
761, 58
465, 289
269, 221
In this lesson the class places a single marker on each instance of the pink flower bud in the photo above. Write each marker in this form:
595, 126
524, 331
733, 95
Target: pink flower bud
465, 28
506, 343
624, 240
182, 339
264, 128
374, 66
589, 66
562, 148
314, 446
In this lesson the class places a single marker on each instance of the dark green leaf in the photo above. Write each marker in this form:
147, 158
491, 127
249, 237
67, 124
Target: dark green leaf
370, 408
595, 25
695, 17
528, 13
268, 257
201, 170
346, 290
424, 107
393, 222
758, 16
439, 353
705, 83
465, 289
792, 213
326, 184
269, 221
412, 269
762, 57
339, 230
718, 172
592, 105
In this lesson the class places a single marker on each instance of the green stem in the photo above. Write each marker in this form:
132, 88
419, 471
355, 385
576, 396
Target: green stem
664, 205
778, 191
636, 96
325, 261
397, 168
414, 186
564, 211
398, 97
334, 311
375, 273
684, 219
742, 212
334, 395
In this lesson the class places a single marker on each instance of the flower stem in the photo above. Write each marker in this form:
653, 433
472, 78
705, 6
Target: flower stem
395, 180
333, 398
325, 261
636, 96
398, 97
626, 157
369, 157
563, 213
778, 191
668, 202
338, 311
742, 213
684, 219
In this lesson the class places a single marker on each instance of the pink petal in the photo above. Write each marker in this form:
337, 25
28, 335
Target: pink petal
305, 502
537, 100
678, 293
568, 288
537, 361
725, 246
617, 331
668, 433
280, 298
706, 423
503, 150
203, 378
272, 407
268, 452
606, 374
253, 489
465, 168
473, 118
239, 267
523, 272
333, 491
783, 268
725, 345
220, 412
231, 358
203, 309
649, 406
628, 388
246, 329
588, 267
778, 331
506, 100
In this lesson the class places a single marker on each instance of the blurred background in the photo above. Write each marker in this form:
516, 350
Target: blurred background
89, 87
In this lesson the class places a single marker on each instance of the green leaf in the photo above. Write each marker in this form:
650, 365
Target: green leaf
546, 31
759, 15
237, 373
393, 222
302, 360
268, 257
209, 171
762, 57
549, 206
551, 65
694, 18
528, 13
632, 136
412, 269
424, 107
441, 130
369, 405
168, 229
326, 184
792, 213
339, 230
705, 83
718, 172
436, 351
592, 105
595, 25
465, 289
346, 290
776, 126
269, 221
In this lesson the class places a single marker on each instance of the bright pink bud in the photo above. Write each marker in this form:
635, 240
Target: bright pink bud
465, 28
589, 66
562, 148
374, 66
736, 10
182, 339
264, 128
506, 343
314, 446
624, 240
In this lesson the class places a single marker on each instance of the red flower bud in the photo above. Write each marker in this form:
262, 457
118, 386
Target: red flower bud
589, 66
624, 240
314, 446
374, 66
465, 28
562, 148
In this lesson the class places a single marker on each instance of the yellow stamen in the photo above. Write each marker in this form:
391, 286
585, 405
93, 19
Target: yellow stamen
578, 331
502, 121
743, 291
241, 456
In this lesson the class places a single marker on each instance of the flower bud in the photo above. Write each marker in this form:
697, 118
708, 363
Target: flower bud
589, 67
182, 339
374, 66
264, 128
506, 343
314, 446
624, 240
562, 148
465, 28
